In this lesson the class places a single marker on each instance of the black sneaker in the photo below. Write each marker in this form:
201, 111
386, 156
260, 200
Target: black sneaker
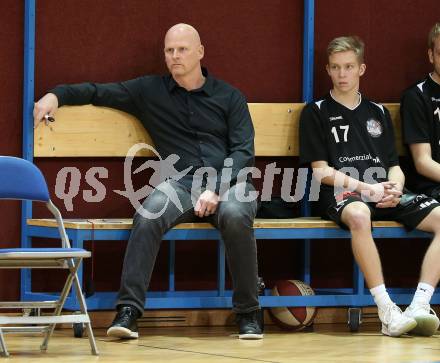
124, 325
249, 325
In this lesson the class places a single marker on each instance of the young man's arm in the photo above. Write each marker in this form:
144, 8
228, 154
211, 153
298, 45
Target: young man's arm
416, 132
330, 176
391, 197
395, 176
423, 161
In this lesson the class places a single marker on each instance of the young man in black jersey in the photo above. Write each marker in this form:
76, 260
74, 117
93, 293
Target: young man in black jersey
420, 113
349, 143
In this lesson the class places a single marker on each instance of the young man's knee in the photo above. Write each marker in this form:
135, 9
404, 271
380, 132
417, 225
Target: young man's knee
357, 216
431, 222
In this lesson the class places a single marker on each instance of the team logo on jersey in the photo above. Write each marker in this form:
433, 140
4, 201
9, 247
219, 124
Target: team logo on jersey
374, 127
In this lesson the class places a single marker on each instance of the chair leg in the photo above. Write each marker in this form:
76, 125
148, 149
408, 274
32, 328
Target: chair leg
83, 308
47, 335
3, 351
61, 301
91, 337
73, 277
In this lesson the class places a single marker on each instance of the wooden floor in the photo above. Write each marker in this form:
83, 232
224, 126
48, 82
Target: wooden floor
327, 343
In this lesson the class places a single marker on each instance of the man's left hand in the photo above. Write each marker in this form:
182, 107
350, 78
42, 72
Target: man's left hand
206, 204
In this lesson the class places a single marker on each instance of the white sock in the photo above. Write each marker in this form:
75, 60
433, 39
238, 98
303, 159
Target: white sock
423, 294
381, 297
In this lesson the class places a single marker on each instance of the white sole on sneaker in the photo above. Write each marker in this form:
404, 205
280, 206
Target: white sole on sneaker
123, 333
404, 329
427, 325
250, 336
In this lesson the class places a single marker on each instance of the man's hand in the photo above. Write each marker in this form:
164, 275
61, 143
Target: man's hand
206, 204
47, 105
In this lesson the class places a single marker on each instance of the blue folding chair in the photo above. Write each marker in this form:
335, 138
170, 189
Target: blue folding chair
20, 179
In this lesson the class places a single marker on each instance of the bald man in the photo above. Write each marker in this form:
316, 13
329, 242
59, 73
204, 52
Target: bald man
206, 122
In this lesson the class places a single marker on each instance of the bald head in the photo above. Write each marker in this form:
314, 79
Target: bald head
183, 52
185, 32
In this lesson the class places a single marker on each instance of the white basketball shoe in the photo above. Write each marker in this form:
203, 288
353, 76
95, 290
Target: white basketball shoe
427, 320
394, 322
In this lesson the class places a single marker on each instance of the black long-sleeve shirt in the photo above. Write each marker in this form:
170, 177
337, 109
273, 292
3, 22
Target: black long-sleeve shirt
203, 126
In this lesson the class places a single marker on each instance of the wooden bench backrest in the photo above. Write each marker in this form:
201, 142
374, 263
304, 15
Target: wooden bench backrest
81, 131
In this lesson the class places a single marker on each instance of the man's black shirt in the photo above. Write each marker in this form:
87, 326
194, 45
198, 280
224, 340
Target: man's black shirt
203, 126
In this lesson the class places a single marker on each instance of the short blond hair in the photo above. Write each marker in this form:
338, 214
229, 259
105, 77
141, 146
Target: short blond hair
347, 43
433, 34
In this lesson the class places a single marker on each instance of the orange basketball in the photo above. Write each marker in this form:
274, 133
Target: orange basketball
292, 318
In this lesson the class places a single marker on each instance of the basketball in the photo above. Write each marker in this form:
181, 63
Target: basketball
292, 318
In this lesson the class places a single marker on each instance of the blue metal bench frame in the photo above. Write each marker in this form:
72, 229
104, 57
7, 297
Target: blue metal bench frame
221, 298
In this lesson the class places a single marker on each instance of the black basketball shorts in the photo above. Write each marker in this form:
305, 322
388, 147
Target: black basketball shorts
412, 209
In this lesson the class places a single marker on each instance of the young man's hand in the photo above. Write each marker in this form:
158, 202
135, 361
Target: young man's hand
391, 196
47, 105
206, 204
382, 193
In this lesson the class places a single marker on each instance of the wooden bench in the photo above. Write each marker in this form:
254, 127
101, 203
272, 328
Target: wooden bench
91, 131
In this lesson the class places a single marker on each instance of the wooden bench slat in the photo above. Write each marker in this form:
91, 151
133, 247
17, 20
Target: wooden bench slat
276, 128
81, 131
89, 131
126, 223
